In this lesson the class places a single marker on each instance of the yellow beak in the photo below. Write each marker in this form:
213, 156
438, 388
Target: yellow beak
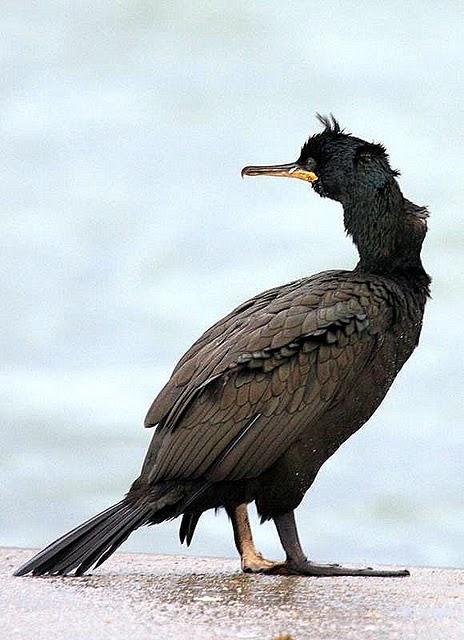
292, 170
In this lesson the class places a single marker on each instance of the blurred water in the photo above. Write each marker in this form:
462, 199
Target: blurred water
126, 231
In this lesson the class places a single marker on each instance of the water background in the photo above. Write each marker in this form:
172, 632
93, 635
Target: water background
126, 231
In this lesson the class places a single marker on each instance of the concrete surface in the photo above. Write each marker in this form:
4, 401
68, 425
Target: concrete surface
138, 597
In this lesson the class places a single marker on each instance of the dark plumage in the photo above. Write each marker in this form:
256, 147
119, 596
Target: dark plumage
270, 392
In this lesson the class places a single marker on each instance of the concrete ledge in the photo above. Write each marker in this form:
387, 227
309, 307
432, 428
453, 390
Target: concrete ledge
141, 597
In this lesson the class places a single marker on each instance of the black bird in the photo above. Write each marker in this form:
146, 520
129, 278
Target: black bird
269, 393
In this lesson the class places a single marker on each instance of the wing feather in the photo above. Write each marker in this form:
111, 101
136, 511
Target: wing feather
249, 386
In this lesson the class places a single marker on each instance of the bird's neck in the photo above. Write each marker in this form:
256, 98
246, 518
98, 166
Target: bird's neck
388, 231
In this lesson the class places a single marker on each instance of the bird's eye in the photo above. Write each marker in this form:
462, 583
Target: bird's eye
310, 164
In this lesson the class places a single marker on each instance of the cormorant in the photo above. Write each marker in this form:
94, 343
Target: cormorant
268, 394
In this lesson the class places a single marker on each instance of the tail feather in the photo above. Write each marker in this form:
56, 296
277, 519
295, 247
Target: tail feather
94, 541
116, 543
188, 526
91, 542
44, 557
111, 543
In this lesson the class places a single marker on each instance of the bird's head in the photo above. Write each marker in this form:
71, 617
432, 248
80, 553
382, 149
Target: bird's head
387, 229
336, 164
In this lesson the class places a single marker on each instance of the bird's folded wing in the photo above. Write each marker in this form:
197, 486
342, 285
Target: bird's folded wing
243, 393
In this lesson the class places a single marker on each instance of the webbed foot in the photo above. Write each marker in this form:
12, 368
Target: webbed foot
255, 563
308, 568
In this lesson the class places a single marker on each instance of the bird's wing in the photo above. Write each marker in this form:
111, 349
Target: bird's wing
199, 363
243, 393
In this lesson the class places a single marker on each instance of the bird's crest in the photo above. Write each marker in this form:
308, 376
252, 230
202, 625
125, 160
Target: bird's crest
332, 130
330, 124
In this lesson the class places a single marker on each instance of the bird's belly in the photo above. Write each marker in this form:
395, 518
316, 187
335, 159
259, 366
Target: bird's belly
358, 399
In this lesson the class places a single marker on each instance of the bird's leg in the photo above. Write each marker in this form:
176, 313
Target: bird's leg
298, 564
252, 561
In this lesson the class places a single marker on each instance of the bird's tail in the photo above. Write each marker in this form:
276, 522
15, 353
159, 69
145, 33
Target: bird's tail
90, 543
